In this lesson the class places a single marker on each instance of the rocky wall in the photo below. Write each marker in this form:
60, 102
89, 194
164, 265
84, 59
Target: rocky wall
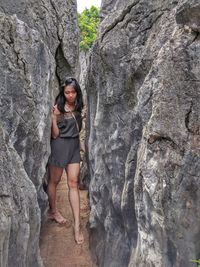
143, 135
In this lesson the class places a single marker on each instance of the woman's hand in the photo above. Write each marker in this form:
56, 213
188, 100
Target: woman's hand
54, 126
55, 112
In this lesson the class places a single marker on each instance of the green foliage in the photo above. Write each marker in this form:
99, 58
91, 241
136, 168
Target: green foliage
197, 261
88, 22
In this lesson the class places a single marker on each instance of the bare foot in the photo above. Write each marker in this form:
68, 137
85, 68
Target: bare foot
78, 236
56, 216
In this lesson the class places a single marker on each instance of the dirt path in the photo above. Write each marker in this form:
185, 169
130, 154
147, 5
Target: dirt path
58, 248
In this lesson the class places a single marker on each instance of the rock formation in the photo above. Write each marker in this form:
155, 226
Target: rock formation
84, 178
82, 72
39, 48
144, 134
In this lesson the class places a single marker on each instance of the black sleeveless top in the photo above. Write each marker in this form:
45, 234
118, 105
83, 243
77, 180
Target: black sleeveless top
69, 125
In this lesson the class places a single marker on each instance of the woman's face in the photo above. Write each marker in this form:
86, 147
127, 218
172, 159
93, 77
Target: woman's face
70, 94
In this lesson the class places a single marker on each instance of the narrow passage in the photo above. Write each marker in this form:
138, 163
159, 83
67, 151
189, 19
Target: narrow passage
57, 244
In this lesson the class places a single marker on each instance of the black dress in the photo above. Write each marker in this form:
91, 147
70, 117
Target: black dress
65, 149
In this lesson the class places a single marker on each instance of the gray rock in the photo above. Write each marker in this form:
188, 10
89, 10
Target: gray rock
82, 71
27, 76
143, 136
57, 23
20, 213
188, 13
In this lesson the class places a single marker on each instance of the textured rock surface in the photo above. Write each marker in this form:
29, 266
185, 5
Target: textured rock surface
143, 135
56, 21
82, 71
20, 213
39, 47
84, 178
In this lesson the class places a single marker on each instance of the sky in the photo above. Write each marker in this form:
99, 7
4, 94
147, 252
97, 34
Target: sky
82, 4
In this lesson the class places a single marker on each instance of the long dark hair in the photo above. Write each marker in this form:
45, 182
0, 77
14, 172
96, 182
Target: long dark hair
60, 99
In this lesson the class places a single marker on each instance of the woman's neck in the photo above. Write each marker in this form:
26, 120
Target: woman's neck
69, 106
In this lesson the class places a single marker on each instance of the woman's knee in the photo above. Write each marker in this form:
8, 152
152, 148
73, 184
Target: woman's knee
73, 183
54, 180
55, 175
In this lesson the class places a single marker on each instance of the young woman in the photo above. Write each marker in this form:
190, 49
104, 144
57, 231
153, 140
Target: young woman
65, 151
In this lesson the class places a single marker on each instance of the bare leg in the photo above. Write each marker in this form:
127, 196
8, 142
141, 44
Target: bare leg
74, 198
55, 174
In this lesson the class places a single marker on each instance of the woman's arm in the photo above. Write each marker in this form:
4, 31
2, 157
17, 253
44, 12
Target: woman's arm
54, 127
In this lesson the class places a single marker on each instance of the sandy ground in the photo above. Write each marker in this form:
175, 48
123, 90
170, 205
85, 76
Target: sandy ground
57, 244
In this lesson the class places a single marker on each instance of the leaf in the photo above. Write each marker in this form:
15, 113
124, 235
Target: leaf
88, 22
